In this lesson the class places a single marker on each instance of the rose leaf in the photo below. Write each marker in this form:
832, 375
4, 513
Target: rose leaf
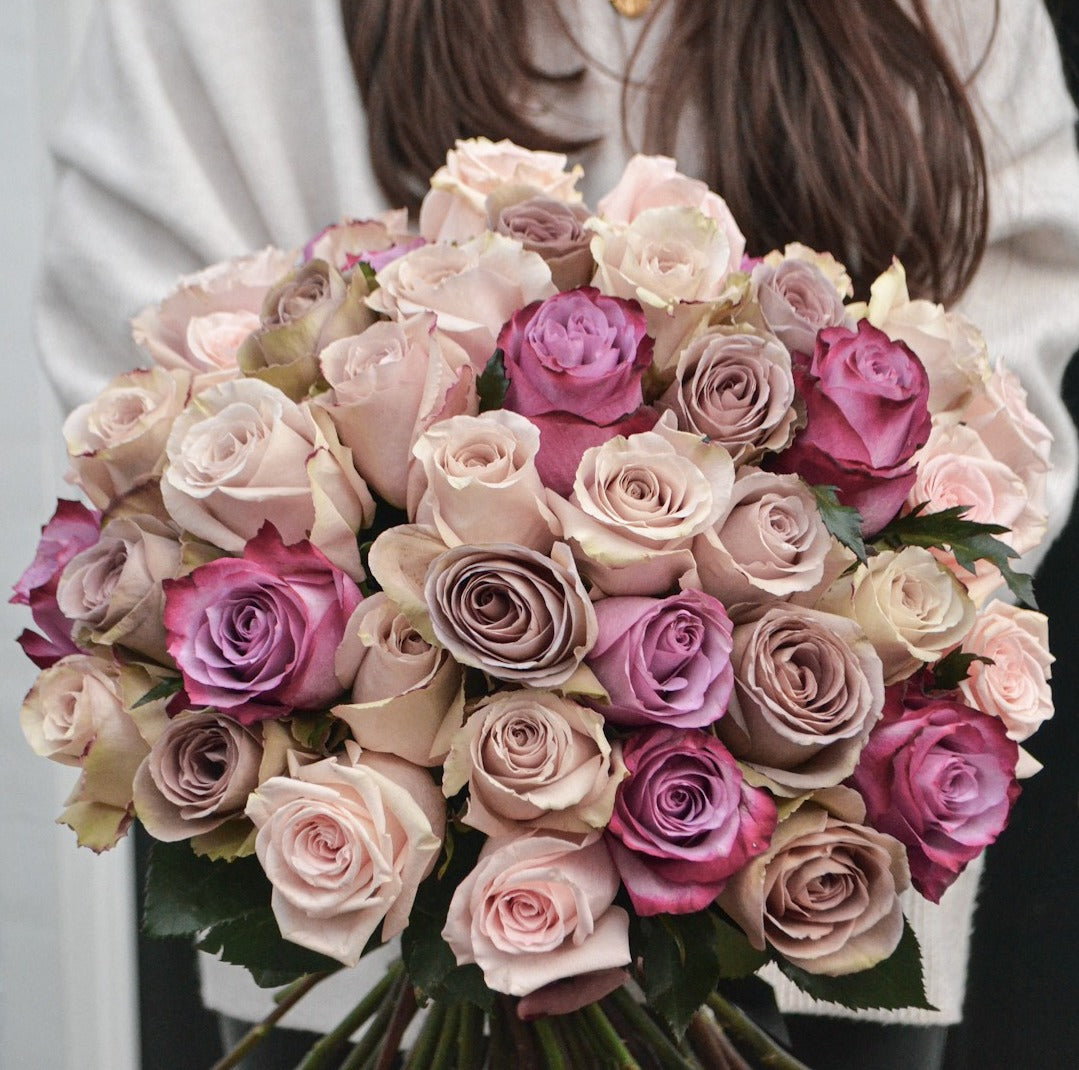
492, 383
953, 668
844, 523
166, 688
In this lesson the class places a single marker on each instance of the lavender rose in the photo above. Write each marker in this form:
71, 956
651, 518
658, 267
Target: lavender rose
684, 820
939, 776
796, 300
255, 636
663, 660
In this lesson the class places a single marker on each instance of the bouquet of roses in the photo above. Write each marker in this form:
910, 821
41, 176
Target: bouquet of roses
604, 610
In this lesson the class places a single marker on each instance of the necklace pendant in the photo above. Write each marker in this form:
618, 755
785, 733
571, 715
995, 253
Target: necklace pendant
631, 8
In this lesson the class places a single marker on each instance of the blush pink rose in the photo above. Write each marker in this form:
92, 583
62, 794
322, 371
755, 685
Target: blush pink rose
255, 637
939, 776
684, 820
866, 415
538, 908
363, 241
663, 660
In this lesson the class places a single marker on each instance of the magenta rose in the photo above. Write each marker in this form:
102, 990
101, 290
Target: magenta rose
939, 776
71, 529
866, 400
684, 820
664, 660
255, 637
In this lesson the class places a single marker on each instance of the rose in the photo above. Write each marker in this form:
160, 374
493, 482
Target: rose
255, 636
554, 229
407, 695
771, 544
939, 776
387, 385
472, 288
116, 442
532, 758
808, 689
198, 775
453, 209
245, 454
825, 893
1014, 683
663, 660
684, 820
71, 528
202, 322
472, 468
735, 387
345, 842
911, 607
796, 301
511, 611
866, 415
362, 241
538, 908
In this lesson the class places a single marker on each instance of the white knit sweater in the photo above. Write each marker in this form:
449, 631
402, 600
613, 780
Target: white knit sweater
199, 130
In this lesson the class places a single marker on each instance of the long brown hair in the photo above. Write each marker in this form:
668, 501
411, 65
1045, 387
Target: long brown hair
836, 123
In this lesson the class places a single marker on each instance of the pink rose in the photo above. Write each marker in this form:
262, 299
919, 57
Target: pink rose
796, 301
866, 415
544, 225
71, 528
663, 660
345, 842
939, 776
255, 636
536, 909
363, 241
684, 820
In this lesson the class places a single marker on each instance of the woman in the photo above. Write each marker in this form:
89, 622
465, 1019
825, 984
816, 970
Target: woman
201, 130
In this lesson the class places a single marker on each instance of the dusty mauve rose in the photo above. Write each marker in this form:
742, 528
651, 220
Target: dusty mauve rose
736, 387
198, 775
663, 660
825, 893
245, 455
116, 442
472, 468
537, 908
796, 300
866, 415
808, 689
112, 590
532, 759
454, 207
512, 612
407, 695
472, 288
771, 544
387, 385
1014, 684
70, 529
255, 636
939, 776
345, 843
684, 820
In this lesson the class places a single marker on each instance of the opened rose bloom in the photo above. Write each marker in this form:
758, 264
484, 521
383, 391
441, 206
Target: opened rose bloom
345, 842
825, 895
663, 660
372, 241
255, 637
532, 759
684, 820
939, 776
538, 908
796, 301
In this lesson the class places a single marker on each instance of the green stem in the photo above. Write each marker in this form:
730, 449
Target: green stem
403, 1012
380, 1002
447, 1040
286, 1000
643, 1025
553, 1055
419, 1058
750, 1037
610, 1040
572, 1031
712, 1045
527, 1058
469, 1037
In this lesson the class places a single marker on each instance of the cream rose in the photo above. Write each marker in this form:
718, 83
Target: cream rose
532, 758
345, 843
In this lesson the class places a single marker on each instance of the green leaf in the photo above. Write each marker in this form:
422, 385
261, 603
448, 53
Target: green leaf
969, 540
164, 689
897, 982
953, 668
492, 383
843, 522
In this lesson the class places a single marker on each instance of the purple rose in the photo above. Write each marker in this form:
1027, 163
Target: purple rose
71, 529
255, 637
939, 776
684, 820
867, 413
664, 660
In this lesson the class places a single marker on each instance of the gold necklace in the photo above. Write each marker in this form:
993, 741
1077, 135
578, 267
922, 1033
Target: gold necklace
631, 8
